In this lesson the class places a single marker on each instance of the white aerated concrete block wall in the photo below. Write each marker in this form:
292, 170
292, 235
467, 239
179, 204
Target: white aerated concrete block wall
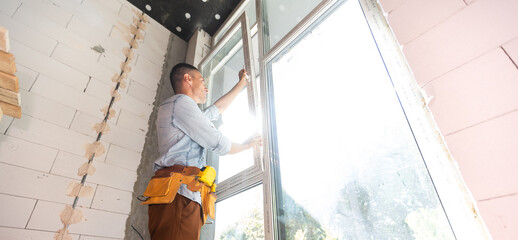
63, 85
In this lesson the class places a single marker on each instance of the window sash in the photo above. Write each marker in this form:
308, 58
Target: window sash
252, 176
456, 199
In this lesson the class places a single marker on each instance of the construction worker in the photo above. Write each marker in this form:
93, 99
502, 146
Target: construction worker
184, 132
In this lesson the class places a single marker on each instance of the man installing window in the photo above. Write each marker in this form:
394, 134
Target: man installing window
184, 132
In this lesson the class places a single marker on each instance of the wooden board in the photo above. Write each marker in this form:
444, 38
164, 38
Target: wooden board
7, 63
11, 110
4, 39
1, 113
9, 82
10, 97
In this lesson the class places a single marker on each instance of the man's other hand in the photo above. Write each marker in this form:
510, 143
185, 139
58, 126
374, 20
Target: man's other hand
256, 141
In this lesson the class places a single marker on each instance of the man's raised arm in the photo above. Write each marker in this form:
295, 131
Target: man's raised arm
229, 97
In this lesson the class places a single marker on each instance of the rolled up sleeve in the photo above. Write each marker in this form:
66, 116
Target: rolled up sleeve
197, 125
211, 112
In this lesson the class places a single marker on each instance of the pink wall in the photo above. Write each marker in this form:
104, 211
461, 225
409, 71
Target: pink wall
464, 54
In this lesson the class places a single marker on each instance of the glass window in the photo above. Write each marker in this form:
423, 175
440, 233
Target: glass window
347, 165
237, 172
280, 16
241, 216
221, 73
240, 120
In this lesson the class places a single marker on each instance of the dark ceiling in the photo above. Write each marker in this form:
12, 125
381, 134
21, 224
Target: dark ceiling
172, 14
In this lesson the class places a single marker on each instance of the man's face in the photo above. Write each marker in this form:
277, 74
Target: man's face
198, 87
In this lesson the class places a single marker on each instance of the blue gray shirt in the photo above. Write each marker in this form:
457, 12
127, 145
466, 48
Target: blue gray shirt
184, 132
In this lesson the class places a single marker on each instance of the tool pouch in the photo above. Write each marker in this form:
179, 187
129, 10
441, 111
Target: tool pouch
208, 199
163, 189
158, 187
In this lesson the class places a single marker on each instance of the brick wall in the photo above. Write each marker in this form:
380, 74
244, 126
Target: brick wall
464, 54
64, 83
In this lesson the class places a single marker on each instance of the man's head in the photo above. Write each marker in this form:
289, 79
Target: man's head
186, 79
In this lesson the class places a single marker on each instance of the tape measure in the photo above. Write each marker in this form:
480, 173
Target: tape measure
207, 175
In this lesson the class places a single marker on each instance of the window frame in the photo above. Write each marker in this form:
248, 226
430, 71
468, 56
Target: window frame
458, 203
253, 175
233, 18
456, 199
270, 153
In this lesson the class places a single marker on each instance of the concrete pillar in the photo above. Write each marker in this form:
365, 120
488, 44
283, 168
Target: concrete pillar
198, 47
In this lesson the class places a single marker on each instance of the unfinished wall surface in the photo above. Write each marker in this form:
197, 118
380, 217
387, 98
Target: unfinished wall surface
137, 223
66, 53
464, 55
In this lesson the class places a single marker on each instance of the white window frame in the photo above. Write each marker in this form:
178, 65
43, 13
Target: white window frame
456, 199
253, 175
233, 18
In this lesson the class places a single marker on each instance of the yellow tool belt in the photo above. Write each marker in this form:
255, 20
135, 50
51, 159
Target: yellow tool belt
164, 185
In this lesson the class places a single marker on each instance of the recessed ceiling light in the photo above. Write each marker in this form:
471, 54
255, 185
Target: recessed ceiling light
179, 29
187, 15
217, 16
148, 7
204, 0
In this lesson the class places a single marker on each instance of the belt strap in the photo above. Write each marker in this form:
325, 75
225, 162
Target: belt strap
185, 170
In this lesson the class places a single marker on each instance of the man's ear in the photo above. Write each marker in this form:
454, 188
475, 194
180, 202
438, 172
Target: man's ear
187, 78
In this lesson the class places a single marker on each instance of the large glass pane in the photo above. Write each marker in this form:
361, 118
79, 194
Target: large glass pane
241, 216
348, 166
280, 16
221, 73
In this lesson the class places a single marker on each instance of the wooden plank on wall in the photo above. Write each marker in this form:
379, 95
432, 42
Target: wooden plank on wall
9, 87
9, 82
8, 93
11, 110
9, 97
7, 63
4, 39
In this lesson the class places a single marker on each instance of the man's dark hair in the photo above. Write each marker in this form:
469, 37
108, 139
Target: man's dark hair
177, 73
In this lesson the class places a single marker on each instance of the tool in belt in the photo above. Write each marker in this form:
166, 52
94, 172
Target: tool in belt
164, 185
